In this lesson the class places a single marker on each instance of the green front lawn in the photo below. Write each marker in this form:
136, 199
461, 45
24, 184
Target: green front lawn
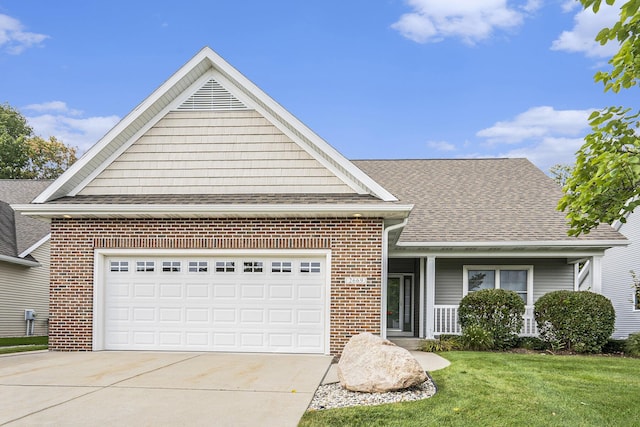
20, 344
507, 389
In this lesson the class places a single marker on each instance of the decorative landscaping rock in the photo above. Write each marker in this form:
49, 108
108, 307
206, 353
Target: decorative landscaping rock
374, 365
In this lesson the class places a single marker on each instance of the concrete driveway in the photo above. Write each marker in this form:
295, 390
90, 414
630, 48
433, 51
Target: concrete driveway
156, 388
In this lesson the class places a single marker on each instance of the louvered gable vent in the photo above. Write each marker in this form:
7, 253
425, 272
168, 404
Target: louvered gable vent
212, 96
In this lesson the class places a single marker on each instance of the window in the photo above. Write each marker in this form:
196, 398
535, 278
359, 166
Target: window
145, 266
198, 266
225, 266
171, 266
281, 266
119, 266
309, 267
515, 278
253, 266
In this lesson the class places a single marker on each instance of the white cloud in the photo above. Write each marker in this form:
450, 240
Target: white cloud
548, 152
441, 145
469, 20
538, 122
587, 25
13, 38
68, 125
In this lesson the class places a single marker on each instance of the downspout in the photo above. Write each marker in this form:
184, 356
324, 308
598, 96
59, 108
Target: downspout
385, 274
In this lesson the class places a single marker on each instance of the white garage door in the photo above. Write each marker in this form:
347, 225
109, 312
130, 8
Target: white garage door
252, 304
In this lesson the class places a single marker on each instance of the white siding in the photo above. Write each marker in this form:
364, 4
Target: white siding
617, 284
24, 288
215, 152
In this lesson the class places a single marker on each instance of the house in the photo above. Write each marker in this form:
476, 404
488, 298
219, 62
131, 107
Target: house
24, 261
617, 282
210, 218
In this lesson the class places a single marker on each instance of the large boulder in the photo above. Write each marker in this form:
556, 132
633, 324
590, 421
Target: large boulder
374, 365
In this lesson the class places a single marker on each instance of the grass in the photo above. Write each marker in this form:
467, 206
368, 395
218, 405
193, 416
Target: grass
20, 344
507, 389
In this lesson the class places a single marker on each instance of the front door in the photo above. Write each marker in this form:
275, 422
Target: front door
400, 305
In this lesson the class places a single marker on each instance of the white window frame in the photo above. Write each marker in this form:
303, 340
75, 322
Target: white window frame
497, 269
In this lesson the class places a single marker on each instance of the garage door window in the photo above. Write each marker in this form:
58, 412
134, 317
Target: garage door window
198, 266
145, 266
171, 266
309, 267
281, 267
119, 266
253, 266
225, 266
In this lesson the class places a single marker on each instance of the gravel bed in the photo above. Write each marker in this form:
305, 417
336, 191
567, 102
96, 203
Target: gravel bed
330, 396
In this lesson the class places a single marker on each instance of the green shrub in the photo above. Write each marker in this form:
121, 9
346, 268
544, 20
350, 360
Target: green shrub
576, 321
613, 346
439, 344
476, 338
497, 311
632, 346
532, 343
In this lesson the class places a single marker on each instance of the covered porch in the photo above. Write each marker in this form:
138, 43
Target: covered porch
422, 293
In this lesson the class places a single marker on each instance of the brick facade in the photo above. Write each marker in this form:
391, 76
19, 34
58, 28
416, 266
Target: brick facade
355, 244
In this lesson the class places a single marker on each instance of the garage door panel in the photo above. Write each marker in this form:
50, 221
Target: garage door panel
215, 304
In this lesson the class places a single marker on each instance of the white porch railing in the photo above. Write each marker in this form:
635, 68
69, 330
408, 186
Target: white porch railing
446, 321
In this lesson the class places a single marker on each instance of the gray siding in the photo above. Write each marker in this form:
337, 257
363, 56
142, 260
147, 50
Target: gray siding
548, 275
617, 284
24, 288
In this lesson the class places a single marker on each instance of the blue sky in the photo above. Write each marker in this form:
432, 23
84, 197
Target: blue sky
375, 79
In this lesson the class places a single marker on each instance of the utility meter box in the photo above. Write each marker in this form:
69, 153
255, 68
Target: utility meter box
30, 314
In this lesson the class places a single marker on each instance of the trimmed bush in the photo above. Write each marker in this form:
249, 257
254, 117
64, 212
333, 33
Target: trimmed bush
498, 311
576, 321
632, 346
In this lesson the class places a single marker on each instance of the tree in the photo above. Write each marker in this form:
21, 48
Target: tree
605, 183
560, 173
26, 156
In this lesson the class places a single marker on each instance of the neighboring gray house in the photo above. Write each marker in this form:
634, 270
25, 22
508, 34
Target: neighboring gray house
211, 219
617, 283
24, 261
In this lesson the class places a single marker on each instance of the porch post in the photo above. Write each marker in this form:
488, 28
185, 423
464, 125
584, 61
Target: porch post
431, 295
421, 313
596, 274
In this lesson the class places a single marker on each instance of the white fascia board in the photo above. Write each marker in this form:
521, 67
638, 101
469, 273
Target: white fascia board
19, 261
249, 87
121, 126
570, 254
517, 244
235, 211
35, 246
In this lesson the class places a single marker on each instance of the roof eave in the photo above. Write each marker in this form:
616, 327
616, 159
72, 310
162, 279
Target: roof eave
514, 244
48, 211
19, 261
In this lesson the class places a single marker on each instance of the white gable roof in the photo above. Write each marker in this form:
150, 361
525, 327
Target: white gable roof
172, 94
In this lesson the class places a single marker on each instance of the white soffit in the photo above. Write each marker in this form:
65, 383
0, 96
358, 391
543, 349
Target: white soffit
172, 94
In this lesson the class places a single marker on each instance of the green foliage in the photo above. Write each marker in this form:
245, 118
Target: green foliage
475, 337
632, 346
560, 173
605, 183
25, 156
532, 343
576, 321
497, 311
440, 344
613, 346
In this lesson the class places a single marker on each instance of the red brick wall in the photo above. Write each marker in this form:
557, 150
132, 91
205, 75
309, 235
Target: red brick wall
355, 244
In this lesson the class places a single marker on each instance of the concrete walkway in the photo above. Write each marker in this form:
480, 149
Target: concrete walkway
157, 389
429, 361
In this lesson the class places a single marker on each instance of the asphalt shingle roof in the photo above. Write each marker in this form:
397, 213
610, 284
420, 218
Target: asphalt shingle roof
19, 232
477, 200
